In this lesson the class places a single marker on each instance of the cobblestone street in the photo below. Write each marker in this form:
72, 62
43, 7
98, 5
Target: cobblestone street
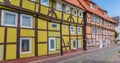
104, 55
107, 55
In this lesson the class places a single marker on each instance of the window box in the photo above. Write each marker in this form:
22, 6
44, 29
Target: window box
25, 45
26, 21
52, 44
9, 18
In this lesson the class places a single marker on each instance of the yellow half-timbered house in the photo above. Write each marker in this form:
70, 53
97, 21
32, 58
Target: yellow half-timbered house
30, 28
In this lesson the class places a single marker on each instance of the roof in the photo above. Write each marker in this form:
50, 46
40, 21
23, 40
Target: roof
83, 4
75, 3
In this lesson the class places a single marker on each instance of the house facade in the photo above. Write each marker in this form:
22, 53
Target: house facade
99, 27
32, 28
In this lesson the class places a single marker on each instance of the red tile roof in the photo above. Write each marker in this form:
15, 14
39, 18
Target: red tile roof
84, 4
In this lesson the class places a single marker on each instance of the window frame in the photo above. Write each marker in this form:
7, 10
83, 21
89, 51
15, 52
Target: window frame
9, 12
68, 8
80, 12
58, 3
77, 30
54, 44
76, 12
45, 4
75, 44
54, 24
21, 16
70, 29
30, 46
33, 0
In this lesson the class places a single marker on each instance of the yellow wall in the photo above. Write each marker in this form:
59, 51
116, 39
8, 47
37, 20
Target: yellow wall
42, 36
42, 49
1, 52
15, 2
11, 34
1, 34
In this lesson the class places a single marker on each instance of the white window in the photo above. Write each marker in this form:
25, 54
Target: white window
26, 21
80, 14
78, 30
68, 9
93, 29
93, 17
9, 18
75, 12
59, 6
25, 45
74, 44
33, 0
45, 2
91, 6
71, 29
52, 44
54, 25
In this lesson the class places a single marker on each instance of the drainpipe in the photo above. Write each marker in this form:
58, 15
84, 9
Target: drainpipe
61, 29
84, 30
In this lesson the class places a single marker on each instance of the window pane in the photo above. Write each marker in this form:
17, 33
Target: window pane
74, 44
9, 18
52, 44
26, 21
25, 45
44, 2
54, 25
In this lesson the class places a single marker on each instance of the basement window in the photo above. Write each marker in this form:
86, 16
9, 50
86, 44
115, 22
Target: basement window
26, 21
52, 44
9, 18
25, 45
45, 2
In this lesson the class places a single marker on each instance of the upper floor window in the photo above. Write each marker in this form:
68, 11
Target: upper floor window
67, 9
33, 0
54, 25
52, 44
91, 6
9, 18
93, 17
25, 45
72, 29
81, 14
45, 2
26, 21
59, 6
93, 29
75, 12
78, 30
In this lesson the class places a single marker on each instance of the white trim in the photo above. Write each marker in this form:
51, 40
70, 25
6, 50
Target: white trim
33, 0
77, 30
76, 12
60, 4
81, 14
70, 29
68, 8
2, 18
54, 44
21, 16
45, 4
75, 44
30, 45
54, 24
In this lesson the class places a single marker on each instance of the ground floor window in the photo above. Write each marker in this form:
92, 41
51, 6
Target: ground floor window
74, 44
52, 44
90, 42
25, 45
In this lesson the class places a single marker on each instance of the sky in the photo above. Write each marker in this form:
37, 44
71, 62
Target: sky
112, 6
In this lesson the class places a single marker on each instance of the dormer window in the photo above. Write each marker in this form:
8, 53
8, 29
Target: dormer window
75, 12
91, 6
68, 9
59, 6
